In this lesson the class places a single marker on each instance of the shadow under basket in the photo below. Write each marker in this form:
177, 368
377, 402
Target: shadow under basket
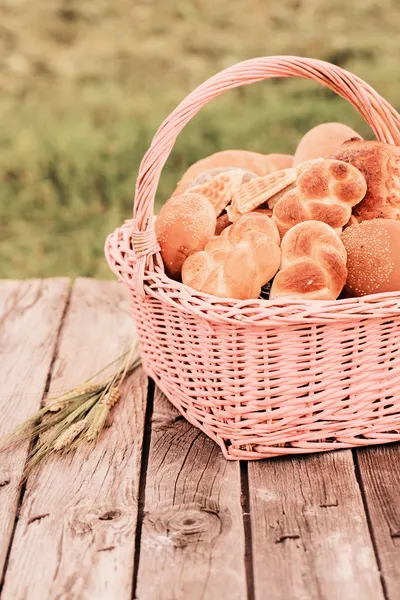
263, 378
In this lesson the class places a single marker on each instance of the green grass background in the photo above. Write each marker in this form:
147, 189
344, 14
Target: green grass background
84, 84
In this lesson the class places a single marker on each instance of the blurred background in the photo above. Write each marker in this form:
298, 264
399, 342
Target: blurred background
85, 83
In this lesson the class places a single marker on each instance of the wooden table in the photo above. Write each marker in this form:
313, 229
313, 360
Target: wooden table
155, 512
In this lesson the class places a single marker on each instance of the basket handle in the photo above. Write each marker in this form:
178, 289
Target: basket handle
377, 112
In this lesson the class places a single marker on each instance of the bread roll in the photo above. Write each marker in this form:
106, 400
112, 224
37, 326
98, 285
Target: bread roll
373, 257
313, 264
183, 226
322, 141
223, 220
248, 226
277, 162
259, 164
380, 165
326, 191
238, 262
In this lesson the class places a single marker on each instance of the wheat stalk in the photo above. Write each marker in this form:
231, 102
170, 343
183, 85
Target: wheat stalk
65, 439
62, 402
76, 416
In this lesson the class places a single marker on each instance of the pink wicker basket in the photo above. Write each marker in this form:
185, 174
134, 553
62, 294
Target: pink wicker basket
264, 378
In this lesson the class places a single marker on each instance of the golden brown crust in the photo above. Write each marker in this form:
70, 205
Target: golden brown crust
289, 211
380, 165
183, 226
335, 216
325, 191
249, 224
313, 184
238, 262
313, 263
306, 278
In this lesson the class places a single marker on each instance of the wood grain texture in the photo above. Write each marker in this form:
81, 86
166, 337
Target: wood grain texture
30, 318
192, 543
309, 529
379, 470
75, 537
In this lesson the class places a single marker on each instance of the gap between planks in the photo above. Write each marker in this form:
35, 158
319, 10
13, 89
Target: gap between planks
143, 481
31, 318
76, 529
379, 477
33, 441
310, 533
192, 539
246, 507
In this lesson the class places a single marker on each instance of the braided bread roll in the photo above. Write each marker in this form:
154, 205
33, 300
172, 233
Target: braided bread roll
237, 263
313, 264
325, 191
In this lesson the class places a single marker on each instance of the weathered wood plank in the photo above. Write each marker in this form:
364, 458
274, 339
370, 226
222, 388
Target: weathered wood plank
75, 537
30, 318
192, 542
309, 529
379, 470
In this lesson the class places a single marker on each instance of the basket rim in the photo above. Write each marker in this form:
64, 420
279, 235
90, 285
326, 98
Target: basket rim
258, 312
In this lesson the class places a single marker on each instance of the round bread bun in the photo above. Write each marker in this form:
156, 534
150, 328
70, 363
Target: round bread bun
184, 225
277, 162
322, 141
373, 257
259, 164
380, 165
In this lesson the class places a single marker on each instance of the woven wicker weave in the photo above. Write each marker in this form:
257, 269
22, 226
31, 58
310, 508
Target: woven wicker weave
264, 378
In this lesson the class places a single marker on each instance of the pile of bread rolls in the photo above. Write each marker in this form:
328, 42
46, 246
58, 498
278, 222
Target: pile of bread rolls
321, 224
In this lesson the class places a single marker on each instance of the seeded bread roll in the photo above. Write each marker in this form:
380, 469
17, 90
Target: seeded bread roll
259, 164
237, 263
184, 226
373, 257
380, 165
322, 141
313, 263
